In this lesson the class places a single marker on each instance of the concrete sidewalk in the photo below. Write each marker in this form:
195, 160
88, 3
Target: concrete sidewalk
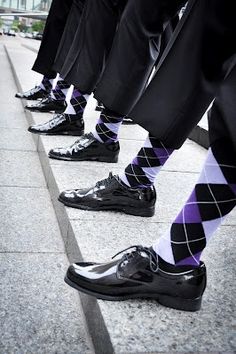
138, 326
39, 313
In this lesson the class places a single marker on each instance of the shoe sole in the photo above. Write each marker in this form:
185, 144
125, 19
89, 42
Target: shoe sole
72, 133
98, 158
44, 111
31, 99
165, 300
146, 213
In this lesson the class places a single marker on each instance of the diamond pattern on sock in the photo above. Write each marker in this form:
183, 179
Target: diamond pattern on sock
61, 89
190, 211
78, 102
147, 164
210, 226
46, 84
213, 197
214, 200
183, 246
107, 127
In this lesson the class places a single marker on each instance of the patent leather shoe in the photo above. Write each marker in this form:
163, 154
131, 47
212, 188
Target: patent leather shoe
48, 105
138, 274
112, 194
60, 124
33, 94
87, 148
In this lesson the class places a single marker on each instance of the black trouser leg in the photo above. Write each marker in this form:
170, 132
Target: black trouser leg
72, 25
221, 117
52, 34
189, 74
134, 52
92, 43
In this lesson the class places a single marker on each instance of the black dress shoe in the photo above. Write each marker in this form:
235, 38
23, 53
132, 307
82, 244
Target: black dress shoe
138, 275
112, 194
48, 105
33, 94
60, 124
87, 148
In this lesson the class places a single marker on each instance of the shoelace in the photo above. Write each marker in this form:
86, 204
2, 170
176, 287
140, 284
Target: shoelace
56, 120
153, 260
77, 144
106, 181
31, 91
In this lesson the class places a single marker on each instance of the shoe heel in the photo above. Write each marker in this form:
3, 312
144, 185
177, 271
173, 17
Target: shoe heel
147, 212
179, 303
110, 159
75, 133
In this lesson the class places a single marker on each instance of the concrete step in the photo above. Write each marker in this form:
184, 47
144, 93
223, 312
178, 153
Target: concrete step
38, 312
136, 326
30, 44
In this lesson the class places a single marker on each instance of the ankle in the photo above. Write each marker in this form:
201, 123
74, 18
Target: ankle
173, 268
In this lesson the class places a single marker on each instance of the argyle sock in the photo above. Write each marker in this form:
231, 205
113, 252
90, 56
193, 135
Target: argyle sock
142, 171
107, 127
60, 91
77, 104
213, 197
46, 84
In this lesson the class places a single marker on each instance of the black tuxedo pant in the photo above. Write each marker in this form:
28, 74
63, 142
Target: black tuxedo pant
116, 47
92, 42
197, 66
62, 21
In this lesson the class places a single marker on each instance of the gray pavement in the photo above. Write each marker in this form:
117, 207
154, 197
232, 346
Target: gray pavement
132, 326
38, 312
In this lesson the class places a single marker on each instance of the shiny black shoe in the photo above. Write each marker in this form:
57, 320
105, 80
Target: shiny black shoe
138, 274
60, 124
33, 94
87, 148
112, 194
48, 105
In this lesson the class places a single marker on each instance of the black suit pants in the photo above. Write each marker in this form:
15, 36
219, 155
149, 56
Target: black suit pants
135, 28
62, 21
192, 72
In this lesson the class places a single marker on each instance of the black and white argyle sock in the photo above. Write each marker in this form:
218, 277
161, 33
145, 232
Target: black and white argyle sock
60, 91
77, 104
142, 171
46, 84
213, 197
107, 127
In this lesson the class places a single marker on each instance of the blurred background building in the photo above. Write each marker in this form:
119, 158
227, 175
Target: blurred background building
24, 5
24, 16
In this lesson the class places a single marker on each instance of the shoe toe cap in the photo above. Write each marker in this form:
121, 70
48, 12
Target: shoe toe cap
35, 128
56, 152
67, 195
19, 95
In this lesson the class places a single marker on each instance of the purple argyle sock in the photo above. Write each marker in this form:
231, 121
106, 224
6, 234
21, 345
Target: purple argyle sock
213, 197
77, 104
107, 127
142, 171
60, 91
46, 84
